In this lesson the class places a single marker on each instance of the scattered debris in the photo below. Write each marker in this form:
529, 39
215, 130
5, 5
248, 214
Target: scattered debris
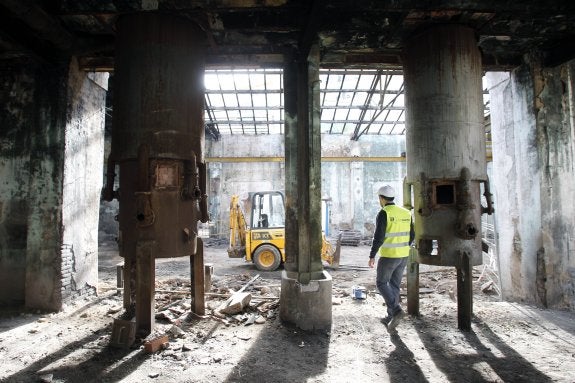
177, 332
154, 345
251, 319
188, 347
225, 346
350, 237
114, 309
243, 336
487, 287
166, 315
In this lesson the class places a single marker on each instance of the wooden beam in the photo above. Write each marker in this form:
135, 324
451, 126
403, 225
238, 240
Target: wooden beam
145, 285
197, 282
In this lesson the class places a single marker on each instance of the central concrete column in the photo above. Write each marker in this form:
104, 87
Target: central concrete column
306, 288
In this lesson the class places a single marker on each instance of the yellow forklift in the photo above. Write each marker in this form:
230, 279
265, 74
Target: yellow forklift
262, 239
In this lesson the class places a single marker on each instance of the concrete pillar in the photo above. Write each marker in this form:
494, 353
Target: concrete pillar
158, 142
357, 174
43, 200
446, 160
306, 288
52, 131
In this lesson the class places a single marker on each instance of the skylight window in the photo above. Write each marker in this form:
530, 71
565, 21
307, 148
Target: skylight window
354, 102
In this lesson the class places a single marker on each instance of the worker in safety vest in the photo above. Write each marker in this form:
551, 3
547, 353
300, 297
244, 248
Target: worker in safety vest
392, 239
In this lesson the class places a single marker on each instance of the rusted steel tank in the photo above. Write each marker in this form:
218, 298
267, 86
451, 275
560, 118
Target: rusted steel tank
158, 133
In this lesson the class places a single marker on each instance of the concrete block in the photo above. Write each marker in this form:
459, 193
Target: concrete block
236, 303
123, 333
306, 306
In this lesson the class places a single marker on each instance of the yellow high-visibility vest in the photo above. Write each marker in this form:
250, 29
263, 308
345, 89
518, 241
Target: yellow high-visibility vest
396, 241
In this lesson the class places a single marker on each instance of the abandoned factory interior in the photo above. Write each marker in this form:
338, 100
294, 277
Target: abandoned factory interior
287, 191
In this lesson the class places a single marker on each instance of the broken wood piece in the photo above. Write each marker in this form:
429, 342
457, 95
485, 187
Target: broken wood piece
263, 298
248, 284
486, 286
251, 319
192, 316
167, 315
220, 295
176, 311
171, 304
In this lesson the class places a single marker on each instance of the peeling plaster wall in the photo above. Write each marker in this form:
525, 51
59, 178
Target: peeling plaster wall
515, 182
352, 186
228, 178
31, 158
17, 95
84, 152
555, 108
533, 172
39, 205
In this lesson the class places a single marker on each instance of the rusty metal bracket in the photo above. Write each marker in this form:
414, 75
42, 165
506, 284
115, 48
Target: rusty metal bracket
407, 202
191, 183
489, 209
204, 215
425, 209
145, 214
108, 193
465, 227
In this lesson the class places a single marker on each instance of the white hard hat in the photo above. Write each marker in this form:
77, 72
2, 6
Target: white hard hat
386, 191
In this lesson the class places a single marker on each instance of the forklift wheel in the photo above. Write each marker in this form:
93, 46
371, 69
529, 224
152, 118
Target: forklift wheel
267, 258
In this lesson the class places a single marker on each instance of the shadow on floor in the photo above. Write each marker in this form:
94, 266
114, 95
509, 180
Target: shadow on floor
100, 366
263, 362
511, 367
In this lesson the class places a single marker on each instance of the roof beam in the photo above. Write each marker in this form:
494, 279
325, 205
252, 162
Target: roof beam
43, 24
310, 32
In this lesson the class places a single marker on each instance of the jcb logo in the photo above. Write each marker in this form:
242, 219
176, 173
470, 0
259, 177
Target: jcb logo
261, 236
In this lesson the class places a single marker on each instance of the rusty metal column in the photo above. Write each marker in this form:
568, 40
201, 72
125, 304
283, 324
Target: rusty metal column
157, 143
306, 288
446, 159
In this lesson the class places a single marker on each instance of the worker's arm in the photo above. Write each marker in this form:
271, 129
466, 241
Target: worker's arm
378, 235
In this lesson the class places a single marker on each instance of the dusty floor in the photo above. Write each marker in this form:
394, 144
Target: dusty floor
509, 342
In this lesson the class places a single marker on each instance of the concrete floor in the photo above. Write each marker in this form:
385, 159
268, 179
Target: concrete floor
509, 342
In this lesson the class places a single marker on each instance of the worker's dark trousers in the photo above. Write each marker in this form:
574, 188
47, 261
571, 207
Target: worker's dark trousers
388, 281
